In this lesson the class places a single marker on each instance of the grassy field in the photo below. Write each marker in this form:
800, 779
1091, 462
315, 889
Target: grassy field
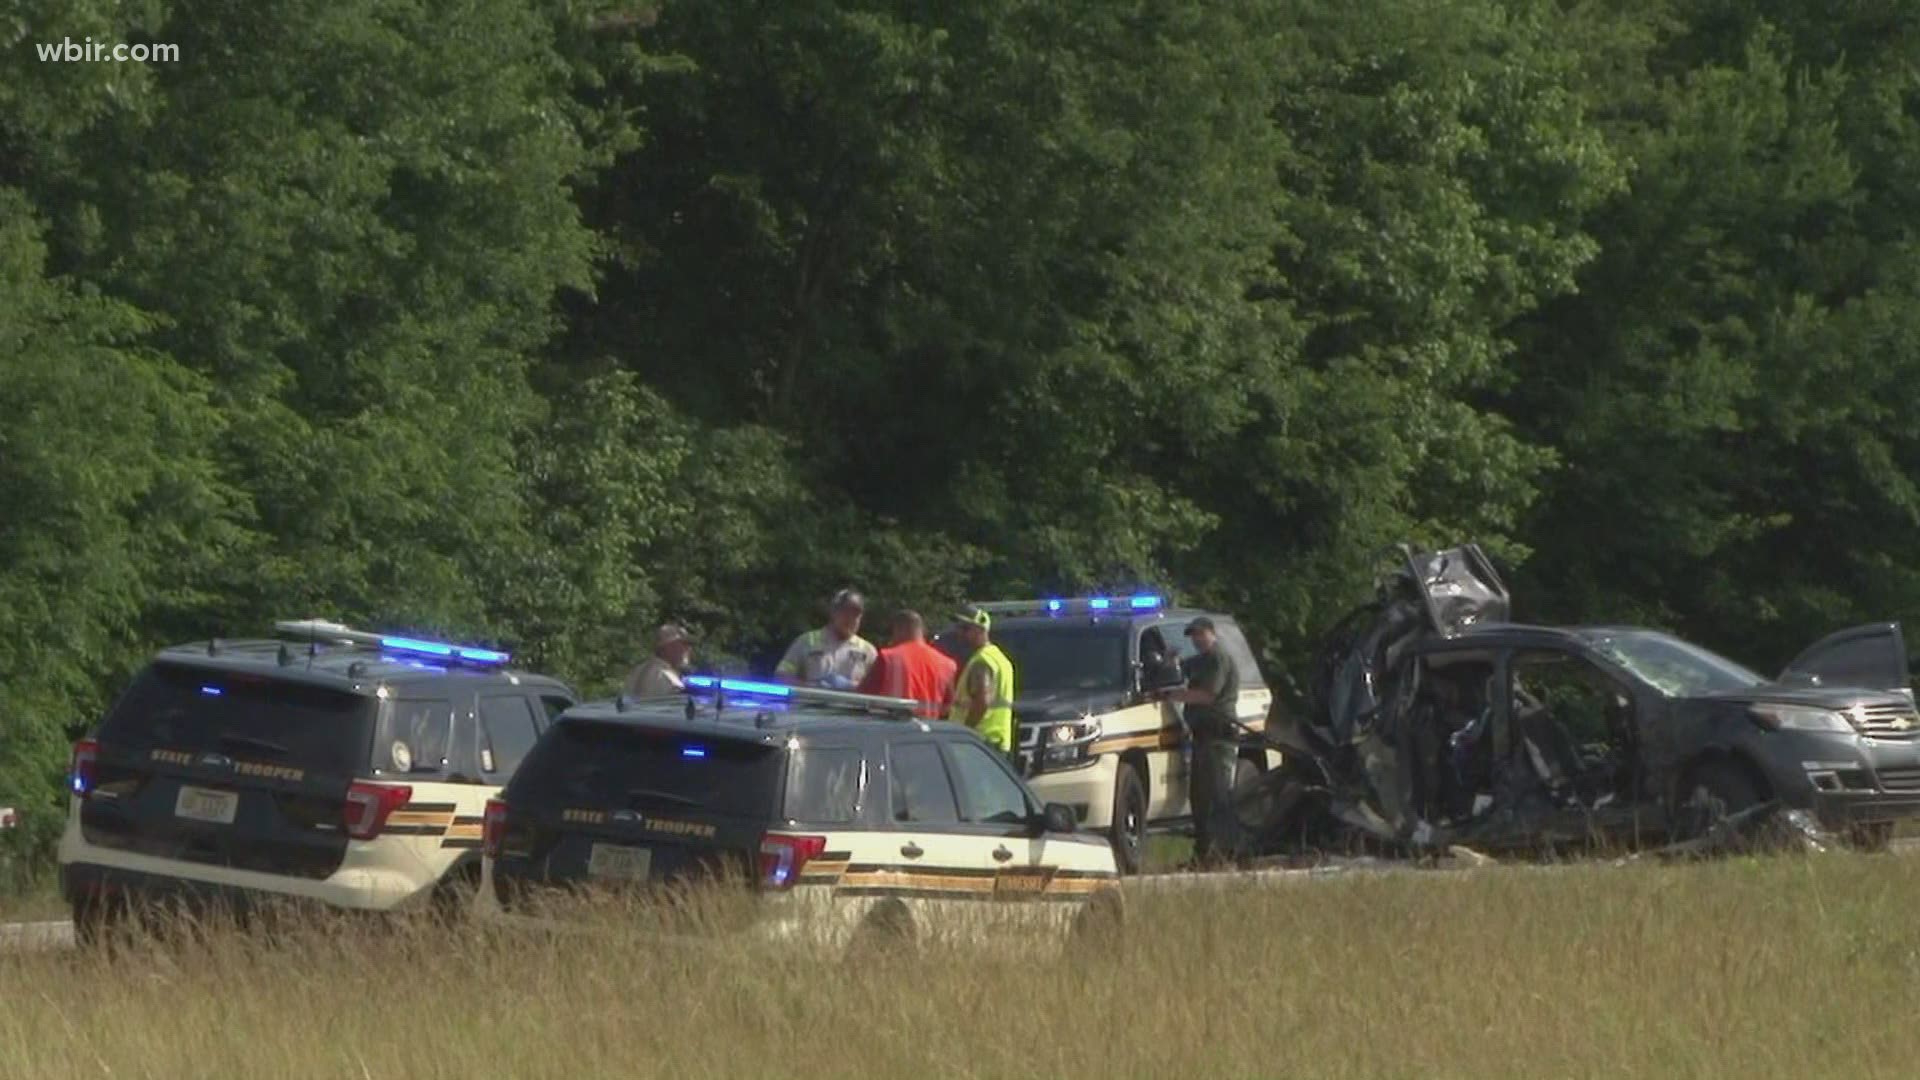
1767, 968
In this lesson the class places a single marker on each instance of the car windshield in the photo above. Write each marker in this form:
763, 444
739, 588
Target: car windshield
1060, 659
1674, 667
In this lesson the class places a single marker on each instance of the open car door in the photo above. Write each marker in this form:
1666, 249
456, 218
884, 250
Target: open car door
1869, 657
1461, 588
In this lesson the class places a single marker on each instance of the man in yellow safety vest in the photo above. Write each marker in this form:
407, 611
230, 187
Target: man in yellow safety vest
983, 695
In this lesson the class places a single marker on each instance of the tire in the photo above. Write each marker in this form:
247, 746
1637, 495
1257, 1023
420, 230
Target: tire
1128, 830
887, 931
451, 901
95, 919
1252, 805
1872, 838
1097, 925
1715, 790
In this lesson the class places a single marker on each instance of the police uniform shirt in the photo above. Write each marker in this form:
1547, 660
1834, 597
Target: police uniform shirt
1215, 672
817, 654
654, 678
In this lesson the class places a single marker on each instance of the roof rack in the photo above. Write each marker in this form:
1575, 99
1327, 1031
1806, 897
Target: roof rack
722, 688
1078, 605
318, 630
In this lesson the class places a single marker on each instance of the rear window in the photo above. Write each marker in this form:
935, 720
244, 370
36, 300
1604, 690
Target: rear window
825, 785
180, 708
600, 765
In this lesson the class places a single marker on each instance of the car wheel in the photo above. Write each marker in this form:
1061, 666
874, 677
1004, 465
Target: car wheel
452, 900
1875, 836
1097, 925
1128, 832
1716, 790
1252, 798
94, 919
886, 931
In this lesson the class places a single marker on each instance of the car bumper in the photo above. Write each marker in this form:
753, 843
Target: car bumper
1848, 781
1088, 790
90, 870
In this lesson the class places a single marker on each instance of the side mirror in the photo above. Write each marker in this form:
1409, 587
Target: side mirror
1058, 818
1165, 676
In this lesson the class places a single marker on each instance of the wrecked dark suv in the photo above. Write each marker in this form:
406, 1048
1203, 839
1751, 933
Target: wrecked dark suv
1433, 720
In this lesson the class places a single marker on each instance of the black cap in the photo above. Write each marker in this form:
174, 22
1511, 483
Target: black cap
1200, 622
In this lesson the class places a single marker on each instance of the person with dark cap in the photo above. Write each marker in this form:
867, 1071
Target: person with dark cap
834, 656
983, 695
1212, 691
910, 668
663, 672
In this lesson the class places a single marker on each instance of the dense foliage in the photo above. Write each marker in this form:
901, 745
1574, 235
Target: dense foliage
543, 320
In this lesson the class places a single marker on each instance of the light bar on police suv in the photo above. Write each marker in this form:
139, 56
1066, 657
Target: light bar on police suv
339, 634
750, 688
1078, 605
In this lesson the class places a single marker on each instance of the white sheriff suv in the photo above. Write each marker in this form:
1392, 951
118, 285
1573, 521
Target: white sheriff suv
1090, 734
330, 764
845, 818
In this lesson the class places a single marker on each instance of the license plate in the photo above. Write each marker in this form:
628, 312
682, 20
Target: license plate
616, 863
201, 804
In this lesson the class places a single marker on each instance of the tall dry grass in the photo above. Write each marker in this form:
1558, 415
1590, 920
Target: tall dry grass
1784, 967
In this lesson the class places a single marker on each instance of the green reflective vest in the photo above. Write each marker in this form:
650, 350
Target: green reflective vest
997, 725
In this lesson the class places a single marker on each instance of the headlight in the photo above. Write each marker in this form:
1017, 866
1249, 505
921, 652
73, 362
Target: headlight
1800, 718
1077, 731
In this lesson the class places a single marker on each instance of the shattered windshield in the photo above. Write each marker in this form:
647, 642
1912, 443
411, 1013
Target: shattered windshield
1672, 666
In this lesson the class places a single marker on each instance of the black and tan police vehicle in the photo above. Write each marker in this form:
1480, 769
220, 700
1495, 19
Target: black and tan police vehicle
1089, 733
331, 764
841, 817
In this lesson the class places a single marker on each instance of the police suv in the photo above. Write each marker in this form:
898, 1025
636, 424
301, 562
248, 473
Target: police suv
845, 815
1089, 733
334, 765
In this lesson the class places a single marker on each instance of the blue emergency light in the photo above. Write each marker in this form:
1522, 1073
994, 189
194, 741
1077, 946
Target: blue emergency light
740, 686
1139, 602
443, 651
693, 751
320, 630
210, 691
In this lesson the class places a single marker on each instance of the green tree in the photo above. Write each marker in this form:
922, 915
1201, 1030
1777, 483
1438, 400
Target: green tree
1732, 386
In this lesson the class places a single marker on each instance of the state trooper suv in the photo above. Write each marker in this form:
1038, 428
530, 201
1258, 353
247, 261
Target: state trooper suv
843, 815
338, 766
1090, 734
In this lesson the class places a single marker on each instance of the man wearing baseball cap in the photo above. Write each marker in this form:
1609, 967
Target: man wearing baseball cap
1212, 690
983, 695
834, 656
661, 673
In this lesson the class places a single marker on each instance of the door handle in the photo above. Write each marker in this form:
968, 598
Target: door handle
911, 850
1001, 854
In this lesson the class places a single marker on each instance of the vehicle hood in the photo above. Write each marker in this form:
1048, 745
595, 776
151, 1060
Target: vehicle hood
1836, 698
1067, 705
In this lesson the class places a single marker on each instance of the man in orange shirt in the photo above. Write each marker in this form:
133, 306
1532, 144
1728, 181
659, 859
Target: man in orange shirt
911, 668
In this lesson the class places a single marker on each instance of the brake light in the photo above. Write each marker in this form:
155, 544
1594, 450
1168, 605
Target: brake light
782, 857
493, 828
369, 806
86, 760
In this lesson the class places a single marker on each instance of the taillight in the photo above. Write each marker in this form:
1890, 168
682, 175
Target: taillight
369, 806
493, 828
782, 857
86, 761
